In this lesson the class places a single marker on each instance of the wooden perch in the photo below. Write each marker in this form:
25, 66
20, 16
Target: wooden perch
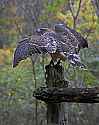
57, 95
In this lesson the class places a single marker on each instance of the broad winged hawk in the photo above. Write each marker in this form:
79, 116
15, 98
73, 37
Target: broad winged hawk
61, 43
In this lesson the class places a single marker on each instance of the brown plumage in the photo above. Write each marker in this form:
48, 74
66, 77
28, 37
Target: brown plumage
62, 43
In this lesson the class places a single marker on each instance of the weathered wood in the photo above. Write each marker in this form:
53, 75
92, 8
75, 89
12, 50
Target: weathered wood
54, 74
57, 93
78, 95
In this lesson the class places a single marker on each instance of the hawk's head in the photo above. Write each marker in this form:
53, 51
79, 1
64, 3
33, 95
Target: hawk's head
60, 27
41, 31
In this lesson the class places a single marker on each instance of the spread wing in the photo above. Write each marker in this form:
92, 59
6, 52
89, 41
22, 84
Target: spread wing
71, 38
82, 42
70, 43
67, 42
34, 45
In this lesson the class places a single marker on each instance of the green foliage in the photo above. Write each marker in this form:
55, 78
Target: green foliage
10, 25
89, 78
80, 75
55, 6
18, 83
51, 9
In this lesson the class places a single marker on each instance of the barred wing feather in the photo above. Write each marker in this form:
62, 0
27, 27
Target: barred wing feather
34, 45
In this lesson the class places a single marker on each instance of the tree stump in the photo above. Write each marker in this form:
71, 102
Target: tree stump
55, 78
57, 93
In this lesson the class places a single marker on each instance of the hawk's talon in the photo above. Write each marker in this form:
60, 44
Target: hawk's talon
59, 62
52, 63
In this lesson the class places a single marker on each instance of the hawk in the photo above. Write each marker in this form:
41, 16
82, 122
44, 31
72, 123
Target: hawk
62, 43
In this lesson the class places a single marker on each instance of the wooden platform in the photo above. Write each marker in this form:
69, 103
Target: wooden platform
57, 95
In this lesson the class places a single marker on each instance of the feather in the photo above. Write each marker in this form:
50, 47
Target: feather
61, 43
34, 44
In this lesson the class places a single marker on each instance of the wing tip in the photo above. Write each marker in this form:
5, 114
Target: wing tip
15, 63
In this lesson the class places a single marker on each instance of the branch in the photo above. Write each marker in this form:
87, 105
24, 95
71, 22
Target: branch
77, 13
18, 28
71, 9
78, 95
91, 30
96, 6
35, 85
78, 10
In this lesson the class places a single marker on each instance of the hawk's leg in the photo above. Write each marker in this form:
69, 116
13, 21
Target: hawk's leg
56, 58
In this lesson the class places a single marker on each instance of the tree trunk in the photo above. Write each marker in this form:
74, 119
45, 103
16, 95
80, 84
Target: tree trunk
96, 5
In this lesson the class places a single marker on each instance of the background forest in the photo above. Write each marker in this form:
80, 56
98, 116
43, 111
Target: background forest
18, 19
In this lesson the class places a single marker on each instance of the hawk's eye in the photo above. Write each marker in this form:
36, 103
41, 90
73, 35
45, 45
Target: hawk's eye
41, 31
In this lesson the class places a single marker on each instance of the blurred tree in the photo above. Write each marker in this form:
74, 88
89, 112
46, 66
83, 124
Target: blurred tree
96, 5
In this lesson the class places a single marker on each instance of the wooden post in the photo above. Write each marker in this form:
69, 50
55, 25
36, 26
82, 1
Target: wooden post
55, 78
57, 93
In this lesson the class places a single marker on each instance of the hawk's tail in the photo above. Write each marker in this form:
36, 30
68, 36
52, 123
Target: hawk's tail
75, 60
